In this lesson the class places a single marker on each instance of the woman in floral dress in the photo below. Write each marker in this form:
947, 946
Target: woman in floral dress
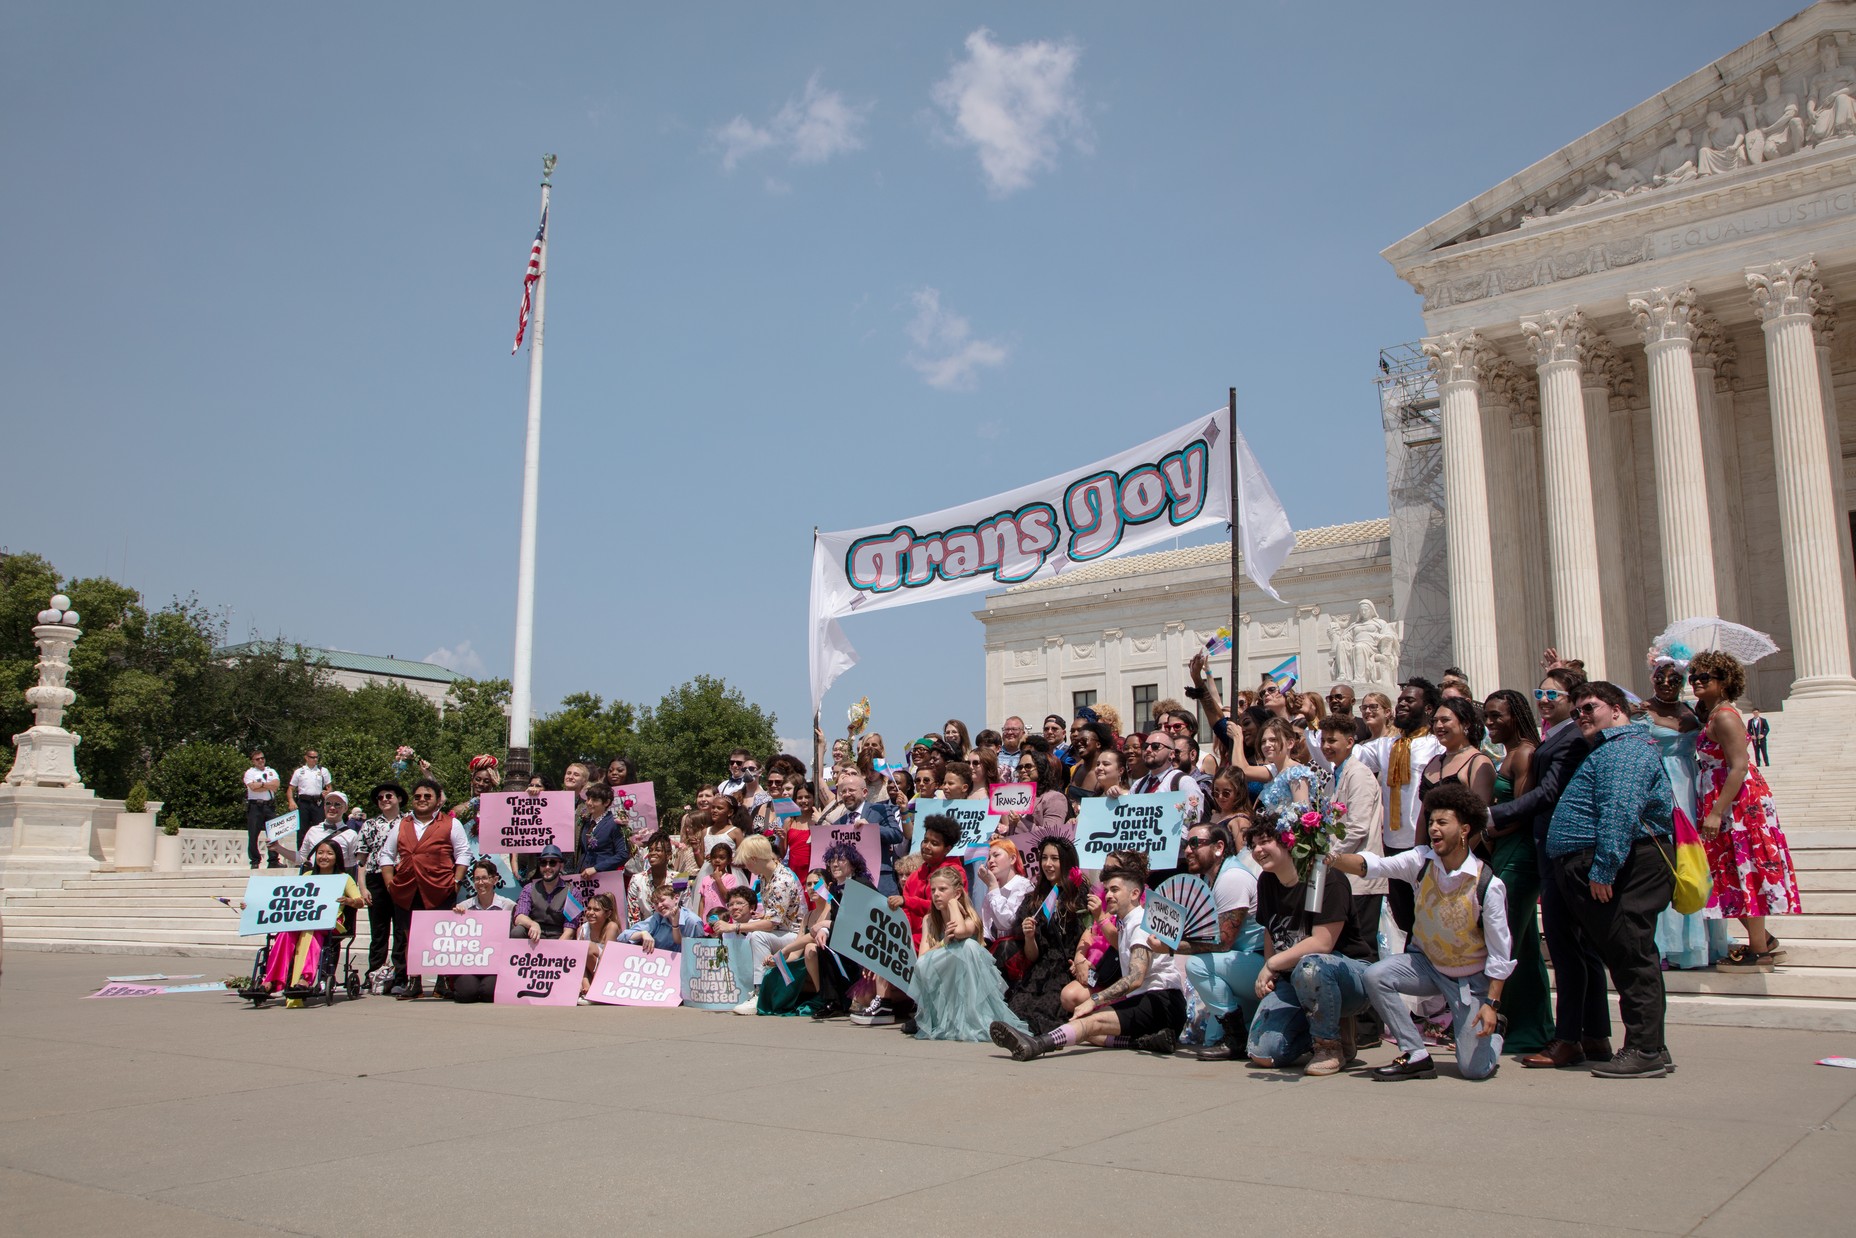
1747, 855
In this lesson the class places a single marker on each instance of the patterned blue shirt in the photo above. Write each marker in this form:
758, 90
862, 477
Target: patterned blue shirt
1620, 794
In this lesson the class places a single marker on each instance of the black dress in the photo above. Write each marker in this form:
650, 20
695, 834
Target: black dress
1035, 994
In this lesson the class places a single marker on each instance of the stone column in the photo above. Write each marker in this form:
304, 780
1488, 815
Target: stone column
1784, 297
1716, 361
1558, 340
1824, 320
1466, 507
1675, 430
1505, 388
1053, 678
1606, 448
1524, 429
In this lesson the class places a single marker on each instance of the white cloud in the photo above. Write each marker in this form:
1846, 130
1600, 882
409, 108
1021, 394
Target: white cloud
1017, 106
946, 354
460, 658
807, 130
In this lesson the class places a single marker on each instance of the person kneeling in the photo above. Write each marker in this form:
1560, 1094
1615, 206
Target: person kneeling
1144, 1009
1459, 948
959, 993
1313, 980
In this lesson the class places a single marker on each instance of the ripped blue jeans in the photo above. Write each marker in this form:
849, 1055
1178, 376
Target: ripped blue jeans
1322, 989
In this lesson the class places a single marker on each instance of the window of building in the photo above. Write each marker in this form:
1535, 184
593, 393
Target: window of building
1080, 700
1145, 694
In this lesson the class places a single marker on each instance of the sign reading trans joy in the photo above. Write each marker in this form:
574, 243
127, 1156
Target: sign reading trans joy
1166, 486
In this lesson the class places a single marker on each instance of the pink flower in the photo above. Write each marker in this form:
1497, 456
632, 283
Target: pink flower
1338, 807
1311, 819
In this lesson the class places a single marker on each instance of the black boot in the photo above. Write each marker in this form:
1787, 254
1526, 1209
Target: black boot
1021, 1046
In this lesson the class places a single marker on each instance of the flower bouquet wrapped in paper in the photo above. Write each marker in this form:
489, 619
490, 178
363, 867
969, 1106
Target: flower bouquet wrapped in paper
1308, 832
859, 715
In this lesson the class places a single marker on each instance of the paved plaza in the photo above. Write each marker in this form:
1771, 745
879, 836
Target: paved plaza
194, 1115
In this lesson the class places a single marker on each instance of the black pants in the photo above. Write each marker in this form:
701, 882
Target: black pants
308, 813
1624, 931
402, 931
473, 988
1759, 752
1579, 1008
379, 923
257, 812
1365, 915
1402, 896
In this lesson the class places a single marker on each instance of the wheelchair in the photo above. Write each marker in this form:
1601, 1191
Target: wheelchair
337, 960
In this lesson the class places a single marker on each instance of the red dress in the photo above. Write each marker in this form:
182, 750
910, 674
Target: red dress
1748, 859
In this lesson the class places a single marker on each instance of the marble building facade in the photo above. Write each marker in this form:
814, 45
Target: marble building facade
1640, 367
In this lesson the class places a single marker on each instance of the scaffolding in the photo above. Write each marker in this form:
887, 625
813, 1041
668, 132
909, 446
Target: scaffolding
1408, 410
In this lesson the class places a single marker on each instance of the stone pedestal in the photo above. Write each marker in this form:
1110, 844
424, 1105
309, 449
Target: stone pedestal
53, 835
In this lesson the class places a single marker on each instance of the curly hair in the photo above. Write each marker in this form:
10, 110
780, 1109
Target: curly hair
1459, 800
1727, 667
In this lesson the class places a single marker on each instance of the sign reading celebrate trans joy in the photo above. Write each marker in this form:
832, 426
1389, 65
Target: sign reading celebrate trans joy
1161, 489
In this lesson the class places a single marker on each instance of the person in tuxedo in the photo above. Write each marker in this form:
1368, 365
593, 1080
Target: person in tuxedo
1582, 1022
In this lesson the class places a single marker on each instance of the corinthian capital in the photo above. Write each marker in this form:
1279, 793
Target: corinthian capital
1714, 348
1664, 314
1508, 384
1601, 366
1455, 356
1559, 335
1824, 318
1784, 288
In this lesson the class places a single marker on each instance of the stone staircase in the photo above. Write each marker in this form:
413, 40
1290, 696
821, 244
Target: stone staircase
131, 913
1815, 988
1813, 769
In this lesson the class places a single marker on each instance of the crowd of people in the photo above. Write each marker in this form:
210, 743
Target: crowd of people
1470, 840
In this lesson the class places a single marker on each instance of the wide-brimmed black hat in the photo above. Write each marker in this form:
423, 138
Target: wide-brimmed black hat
373, 797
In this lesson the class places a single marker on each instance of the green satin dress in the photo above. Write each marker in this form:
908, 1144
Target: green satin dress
1525, 998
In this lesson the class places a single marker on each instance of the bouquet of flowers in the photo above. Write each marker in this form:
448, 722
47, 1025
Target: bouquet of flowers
858, 715
1308, 832
403, 756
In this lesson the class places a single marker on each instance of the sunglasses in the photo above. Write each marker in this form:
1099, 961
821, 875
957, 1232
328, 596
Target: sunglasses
1549, 695
1158, 744
550, 864
1702, 676
1199, 842
1587, 710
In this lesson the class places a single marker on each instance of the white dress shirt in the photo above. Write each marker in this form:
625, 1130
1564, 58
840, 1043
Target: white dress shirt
460, 841
1377, 756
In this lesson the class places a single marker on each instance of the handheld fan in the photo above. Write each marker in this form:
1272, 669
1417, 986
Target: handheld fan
1195, 896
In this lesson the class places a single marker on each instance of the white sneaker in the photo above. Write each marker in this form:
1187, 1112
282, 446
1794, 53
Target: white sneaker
750, 1006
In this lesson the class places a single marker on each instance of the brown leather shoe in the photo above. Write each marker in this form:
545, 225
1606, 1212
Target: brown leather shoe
1597, 1048
1557, 1055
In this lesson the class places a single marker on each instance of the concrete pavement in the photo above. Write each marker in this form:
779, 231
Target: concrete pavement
195, 1115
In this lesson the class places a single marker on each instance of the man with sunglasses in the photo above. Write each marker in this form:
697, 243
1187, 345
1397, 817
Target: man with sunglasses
541, 911
1582, 1019
1162, 772
422, 861
1610, 844
1224, 972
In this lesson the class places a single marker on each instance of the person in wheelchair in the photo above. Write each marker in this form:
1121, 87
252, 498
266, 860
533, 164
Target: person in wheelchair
296, 960
335, 827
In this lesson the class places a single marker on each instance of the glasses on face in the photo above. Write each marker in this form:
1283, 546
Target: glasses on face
1160, 744
1587, 710
1548, 695
550, 864
1701, 677
735, 763
752, 771
1198, 842
423, 795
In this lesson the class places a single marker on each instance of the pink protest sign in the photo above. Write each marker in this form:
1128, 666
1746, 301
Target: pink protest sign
545, 973
627, 976
125, 990
1027, 841
513, 822
1015, 797
612, 883
445, 943
642, 822
864, 835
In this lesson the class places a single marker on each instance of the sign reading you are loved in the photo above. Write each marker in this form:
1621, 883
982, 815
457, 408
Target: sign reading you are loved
514, 822
290, 904
544, 973
868, 931
1152, 824
445, 943
628, 976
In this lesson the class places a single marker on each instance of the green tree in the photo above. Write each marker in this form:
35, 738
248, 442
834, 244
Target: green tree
584, 728
201, 786
684, 742
476, 721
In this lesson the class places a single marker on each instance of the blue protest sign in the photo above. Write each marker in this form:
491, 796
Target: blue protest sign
974, 817
868, 931
1153, 824
708, 977
290, 904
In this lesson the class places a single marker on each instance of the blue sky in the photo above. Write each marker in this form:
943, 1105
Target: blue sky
810, 265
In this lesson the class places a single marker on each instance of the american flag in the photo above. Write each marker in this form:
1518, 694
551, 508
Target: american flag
528, 282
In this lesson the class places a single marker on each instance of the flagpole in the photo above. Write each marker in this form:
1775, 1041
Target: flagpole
521, 691
1230, 693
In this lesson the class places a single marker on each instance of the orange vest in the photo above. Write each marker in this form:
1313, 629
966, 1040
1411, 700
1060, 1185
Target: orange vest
425, 865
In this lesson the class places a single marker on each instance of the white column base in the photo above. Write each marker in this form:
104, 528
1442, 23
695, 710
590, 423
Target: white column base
1821, 686
52, 836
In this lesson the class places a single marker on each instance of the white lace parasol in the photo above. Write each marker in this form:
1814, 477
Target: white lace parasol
1706, 633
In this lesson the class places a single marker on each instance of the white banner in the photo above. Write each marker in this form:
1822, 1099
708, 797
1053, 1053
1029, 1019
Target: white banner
1165, 487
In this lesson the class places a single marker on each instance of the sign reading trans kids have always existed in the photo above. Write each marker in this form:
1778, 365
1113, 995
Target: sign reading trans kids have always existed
1153, 493
513, 822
